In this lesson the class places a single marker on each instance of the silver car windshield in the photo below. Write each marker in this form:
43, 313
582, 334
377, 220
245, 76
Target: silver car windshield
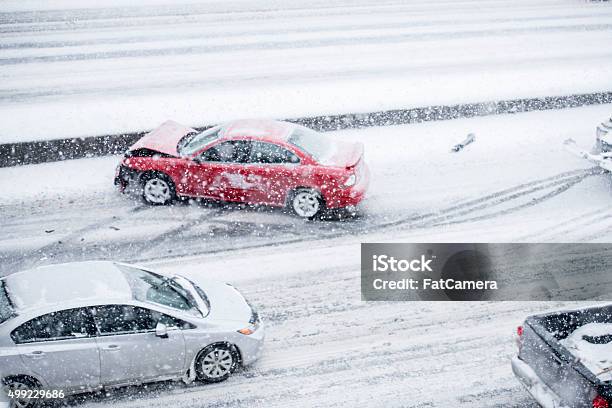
194, 143
153, 288
313, 143
6, 307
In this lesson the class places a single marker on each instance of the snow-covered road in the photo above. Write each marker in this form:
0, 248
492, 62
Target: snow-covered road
515, 183
326, 347
70, 68
66, 66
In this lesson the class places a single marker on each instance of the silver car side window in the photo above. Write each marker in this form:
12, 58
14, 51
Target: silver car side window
126, 319
173, 322
123, 319
60, 325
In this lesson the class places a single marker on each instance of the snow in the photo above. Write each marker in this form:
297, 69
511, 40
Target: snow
58, 180
595, 357
70, 65
324, 346
536, 387
52, 285
71, 68
516, 180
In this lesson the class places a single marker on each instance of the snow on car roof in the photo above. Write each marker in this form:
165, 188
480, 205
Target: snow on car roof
45, 286
259, 128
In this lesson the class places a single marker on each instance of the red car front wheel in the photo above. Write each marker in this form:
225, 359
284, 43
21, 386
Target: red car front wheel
158, 189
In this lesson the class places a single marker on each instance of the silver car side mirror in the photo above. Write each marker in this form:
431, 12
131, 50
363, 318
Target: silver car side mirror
161, 330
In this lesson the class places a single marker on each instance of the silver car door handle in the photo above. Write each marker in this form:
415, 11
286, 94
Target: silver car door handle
35, 354
112, 347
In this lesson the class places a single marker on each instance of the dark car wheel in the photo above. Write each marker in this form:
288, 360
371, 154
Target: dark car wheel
216, 363
23, 384
306, 203
158, 189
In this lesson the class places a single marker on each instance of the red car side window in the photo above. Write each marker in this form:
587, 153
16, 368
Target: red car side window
235, 151
268, 153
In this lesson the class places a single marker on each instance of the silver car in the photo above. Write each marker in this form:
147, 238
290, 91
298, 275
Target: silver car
4, 399
84, 326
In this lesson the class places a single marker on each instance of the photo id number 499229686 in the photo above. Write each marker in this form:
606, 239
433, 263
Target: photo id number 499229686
35, 394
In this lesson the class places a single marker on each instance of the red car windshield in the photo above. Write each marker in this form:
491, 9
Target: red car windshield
313, 143
194, 143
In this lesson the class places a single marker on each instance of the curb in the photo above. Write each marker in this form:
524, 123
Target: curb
14, 154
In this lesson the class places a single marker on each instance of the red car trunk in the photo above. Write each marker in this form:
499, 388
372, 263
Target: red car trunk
346, 155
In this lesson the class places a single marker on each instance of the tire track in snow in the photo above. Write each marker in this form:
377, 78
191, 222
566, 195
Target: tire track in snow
221, 229
52, 249
349, 349
601, 226
552, 186
296, 44
570, 225
564, 186
246, 12
453, 214
219, 32
73, 245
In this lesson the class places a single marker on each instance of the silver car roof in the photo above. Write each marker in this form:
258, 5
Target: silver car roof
48, 286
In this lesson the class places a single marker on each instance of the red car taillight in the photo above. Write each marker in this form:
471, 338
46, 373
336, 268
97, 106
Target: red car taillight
519, 338
600, 402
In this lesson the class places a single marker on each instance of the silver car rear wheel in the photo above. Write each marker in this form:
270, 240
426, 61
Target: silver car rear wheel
306, 203
23, 385
216, 363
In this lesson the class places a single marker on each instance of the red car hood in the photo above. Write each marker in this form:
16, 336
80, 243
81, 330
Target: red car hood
346, 154
164, 139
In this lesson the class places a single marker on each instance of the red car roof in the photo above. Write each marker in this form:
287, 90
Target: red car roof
258, 128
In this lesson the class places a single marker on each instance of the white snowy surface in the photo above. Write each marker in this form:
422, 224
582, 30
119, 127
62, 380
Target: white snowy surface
71, 68
595, 357
413, 175
413, 172
50, 286
540, 391
66, 179
324, 346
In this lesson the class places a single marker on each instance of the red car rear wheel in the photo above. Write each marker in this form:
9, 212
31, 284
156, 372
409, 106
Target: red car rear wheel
306, 203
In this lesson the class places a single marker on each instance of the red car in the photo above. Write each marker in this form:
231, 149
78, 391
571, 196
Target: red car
251, 161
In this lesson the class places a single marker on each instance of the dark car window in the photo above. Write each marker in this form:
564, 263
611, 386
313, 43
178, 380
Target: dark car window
6, 307
269, 153
62, 325
173, 322
235, 151
123, 319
